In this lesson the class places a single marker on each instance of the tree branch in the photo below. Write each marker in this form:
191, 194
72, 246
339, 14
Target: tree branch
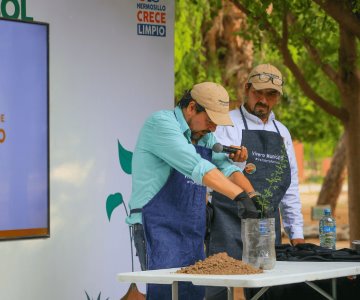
326, 68
339, 113
268, 26
341, 14
316, 57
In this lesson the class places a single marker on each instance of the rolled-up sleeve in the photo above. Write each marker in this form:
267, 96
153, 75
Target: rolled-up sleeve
222, 160
169, 143
201, 169
224, 164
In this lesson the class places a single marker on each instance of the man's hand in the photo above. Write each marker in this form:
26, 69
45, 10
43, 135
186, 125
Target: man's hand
266, 210
239, 156
295, 242
247, 208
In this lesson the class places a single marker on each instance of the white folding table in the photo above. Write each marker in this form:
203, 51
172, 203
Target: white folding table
285, 272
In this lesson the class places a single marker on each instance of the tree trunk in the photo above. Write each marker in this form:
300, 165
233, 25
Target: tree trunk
331, 188
238, 61
238, 55
353, 152
350, 94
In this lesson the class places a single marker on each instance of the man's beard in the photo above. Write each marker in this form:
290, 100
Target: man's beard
260, 110
197, 135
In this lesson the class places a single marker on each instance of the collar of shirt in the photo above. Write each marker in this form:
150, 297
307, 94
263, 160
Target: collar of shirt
183, 124
186, 129
256, 119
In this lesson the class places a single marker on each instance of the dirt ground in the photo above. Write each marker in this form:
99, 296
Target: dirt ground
308, 196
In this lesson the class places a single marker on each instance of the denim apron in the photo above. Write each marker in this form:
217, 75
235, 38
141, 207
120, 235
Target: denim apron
174, 227
267, 160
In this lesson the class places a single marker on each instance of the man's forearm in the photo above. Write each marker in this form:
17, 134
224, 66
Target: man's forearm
295, 242
217, 181
239, 179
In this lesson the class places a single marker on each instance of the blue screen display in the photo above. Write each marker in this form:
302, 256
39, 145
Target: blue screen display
24, 125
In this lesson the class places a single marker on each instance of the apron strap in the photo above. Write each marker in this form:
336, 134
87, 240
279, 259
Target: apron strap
246, 125
277, 129
244, 120
135, 211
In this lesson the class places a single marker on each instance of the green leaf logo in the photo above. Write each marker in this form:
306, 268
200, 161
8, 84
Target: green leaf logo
112, 202
125, 158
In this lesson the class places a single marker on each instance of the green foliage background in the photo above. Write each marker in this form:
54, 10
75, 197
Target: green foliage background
305, 120
192, 19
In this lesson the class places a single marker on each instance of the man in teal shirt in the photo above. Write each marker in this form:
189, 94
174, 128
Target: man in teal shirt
172, 165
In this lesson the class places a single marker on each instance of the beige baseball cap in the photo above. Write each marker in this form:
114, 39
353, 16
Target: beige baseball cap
215, 99
260, 81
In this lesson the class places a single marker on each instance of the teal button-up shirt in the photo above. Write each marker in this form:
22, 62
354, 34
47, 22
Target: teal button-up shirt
164, 143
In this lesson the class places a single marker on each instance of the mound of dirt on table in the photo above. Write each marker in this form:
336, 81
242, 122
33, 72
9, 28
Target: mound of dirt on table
220, 264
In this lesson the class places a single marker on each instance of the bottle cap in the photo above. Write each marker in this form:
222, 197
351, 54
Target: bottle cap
327, 210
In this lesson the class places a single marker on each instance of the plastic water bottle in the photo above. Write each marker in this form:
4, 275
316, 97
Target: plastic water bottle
327, 230
258, 237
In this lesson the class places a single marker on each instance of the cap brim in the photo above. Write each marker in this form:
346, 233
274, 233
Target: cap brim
267, 85
220, 118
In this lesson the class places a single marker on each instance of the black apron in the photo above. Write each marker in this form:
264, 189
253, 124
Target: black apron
268, 170
174, 228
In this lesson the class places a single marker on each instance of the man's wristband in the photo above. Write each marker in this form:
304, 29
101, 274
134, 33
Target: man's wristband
253, 193
243, 195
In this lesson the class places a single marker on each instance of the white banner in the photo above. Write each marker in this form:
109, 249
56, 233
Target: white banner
105, 79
